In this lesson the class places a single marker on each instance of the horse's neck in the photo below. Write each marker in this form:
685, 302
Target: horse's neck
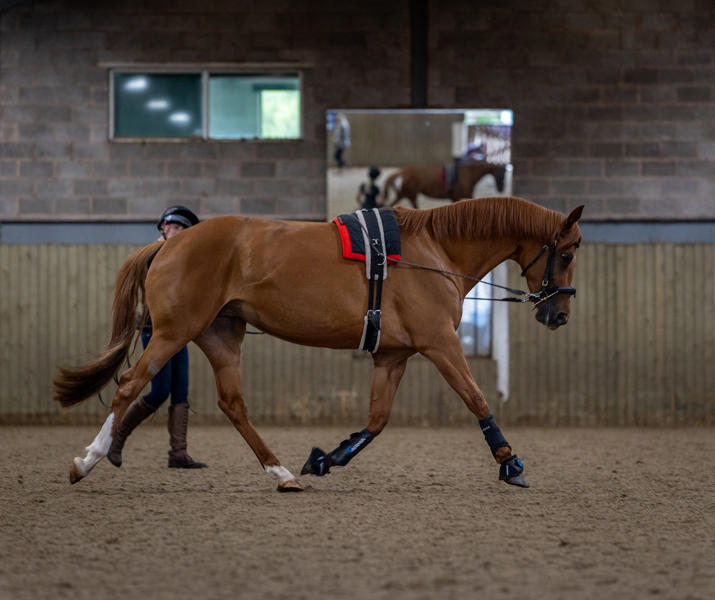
479, 170
476, 257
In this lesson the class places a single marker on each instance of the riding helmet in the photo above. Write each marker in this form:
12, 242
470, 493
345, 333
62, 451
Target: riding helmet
373, 173
178, 214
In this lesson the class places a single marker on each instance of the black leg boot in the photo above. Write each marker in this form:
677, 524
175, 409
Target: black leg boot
178, 423
135, 414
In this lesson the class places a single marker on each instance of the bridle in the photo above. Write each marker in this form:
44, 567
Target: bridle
548, 289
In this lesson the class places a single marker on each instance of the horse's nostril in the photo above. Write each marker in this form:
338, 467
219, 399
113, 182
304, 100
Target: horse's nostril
562, 318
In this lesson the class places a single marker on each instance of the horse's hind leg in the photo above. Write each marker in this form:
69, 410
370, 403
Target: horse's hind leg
388, 372
128, 411
222, 345
96, 451
131, 383
447, 355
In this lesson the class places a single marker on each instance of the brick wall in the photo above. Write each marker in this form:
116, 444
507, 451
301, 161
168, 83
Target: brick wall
613, 101
56, 161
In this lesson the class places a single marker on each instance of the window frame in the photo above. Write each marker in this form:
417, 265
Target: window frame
205, 70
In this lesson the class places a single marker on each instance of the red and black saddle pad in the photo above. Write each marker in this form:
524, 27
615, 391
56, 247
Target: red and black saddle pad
367, 233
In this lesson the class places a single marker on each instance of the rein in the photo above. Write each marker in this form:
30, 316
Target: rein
548, 290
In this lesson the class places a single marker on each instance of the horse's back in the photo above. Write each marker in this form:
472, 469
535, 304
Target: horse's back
239, 237
428, 180
234, 253
286, 278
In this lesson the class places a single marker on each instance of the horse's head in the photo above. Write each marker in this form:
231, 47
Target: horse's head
549, 272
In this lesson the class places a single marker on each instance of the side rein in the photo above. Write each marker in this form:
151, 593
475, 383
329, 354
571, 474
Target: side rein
547, 288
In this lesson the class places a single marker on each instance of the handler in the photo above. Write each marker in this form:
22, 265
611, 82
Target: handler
172, 379
368, 191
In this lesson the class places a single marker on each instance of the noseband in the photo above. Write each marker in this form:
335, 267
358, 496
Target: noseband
548, 289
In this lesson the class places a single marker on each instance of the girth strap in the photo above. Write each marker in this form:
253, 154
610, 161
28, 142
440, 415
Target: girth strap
376, 272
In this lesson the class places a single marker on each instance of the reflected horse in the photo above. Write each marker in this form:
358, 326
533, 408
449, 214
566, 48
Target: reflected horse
289, 280
434, 182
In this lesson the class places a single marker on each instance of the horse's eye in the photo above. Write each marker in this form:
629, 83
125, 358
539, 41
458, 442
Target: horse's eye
567, 257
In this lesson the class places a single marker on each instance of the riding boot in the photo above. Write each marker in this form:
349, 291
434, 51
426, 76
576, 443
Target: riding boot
135, 414
178, 423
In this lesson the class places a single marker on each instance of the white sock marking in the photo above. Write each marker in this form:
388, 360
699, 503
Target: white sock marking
98, 449
281, 472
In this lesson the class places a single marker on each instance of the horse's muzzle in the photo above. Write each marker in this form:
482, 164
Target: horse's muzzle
551, 316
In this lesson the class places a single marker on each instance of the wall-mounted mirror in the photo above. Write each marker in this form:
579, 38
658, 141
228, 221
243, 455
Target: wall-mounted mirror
427, 157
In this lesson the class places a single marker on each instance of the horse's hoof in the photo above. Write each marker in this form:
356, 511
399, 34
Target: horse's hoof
317, 463
289, 486
511, 470
517, 480
115, 458
75, 472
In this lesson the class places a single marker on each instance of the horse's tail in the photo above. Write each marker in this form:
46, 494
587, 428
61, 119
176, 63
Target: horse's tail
74, 384
388, 185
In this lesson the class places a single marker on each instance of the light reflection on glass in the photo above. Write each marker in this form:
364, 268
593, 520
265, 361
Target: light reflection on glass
180, 118
158, 104
137, 84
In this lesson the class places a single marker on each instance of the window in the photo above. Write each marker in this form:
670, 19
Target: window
205, 104
484, 329
475, 329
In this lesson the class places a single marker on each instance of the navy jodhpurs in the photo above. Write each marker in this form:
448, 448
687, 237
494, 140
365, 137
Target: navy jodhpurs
172, 379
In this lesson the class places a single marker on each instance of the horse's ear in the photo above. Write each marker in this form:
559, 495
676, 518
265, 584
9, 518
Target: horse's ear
572, 218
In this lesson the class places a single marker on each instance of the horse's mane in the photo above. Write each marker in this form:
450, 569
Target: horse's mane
487, 218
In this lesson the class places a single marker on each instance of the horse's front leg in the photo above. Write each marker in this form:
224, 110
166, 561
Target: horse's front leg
387, 374
447, 355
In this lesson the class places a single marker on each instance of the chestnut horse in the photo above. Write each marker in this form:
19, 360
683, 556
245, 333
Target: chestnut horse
434, 182
289, 280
